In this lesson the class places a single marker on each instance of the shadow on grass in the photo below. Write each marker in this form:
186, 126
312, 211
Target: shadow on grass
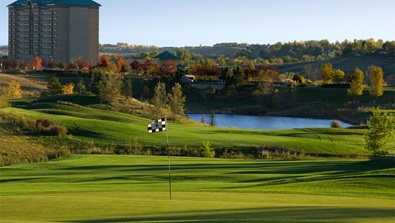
258, 173
271, 214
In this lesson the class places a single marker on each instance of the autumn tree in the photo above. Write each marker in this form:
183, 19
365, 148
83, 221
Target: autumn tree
83, 64
68, 88
54, 86
381, 129
376, 81
326, 73
36, 63
120, 63
135, 65
177, 100
104, 61
14, 90
338, 76
357, 80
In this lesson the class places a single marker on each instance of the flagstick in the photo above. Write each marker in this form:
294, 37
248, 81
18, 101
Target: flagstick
168, 153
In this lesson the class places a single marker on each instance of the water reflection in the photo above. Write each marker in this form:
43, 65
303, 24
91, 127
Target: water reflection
265, 122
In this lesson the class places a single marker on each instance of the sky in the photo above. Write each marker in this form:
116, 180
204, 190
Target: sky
207, 22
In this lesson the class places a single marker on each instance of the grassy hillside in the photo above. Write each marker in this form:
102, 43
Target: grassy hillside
347, 63
29, 86
135, 189
117, 129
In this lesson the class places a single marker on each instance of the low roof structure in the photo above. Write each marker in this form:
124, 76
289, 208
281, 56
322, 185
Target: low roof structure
167, 56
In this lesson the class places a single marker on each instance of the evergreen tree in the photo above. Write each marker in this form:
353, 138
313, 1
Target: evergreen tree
127, 90
213, 121
159, 100
81, 86
109, 88
177, 100
54, 86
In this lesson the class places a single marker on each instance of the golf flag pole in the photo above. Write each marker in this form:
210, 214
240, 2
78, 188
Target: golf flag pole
168, 155
160, 126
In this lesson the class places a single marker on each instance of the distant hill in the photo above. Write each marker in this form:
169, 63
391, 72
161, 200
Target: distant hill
208, 51
347, 63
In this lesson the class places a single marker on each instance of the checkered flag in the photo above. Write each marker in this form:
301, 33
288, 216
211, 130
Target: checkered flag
157, 126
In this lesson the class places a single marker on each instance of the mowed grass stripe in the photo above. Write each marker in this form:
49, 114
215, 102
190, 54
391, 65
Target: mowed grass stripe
192, 206
135, 189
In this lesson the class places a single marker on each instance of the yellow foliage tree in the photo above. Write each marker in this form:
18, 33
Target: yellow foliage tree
356, 88
68, 88
14, 90
376, 81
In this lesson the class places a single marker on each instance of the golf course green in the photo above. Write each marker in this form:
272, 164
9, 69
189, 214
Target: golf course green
114, 188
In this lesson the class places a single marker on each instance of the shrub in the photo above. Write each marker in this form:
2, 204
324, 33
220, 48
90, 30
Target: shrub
336, 124
31, 125
4, 102
206, 150
14, 89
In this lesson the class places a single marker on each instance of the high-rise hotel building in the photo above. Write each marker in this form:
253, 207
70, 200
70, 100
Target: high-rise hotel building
61, 30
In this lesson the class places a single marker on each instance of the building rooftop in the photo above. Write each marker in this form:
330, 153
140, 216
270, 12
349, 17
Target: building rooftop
167, 56
44, 3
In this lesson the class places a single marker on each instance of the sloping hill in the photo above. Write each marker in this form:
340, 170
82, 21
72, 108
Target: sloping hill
347, 63
114, 128
29, 86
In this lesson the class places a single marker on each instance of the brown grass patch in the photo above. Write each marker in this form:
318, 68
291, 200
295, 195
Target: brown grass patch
29, 87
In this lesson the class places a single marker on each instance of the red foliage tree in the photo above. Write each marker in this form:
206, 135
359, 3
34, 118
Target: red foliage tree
104, 61
82, 63
120, 62
36, 63
135, 65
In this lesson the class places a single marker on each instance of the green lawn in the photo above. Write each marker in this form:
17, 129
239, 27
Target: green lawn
135, 189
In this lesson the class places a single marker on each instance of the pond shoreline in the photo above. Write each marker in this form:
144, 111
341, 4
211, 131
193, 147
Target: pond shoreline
312, 112
285, 114
265, 121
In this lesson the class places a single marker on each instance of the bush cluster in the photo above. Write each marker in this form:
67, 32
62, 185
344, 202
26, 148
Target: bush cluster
31, 125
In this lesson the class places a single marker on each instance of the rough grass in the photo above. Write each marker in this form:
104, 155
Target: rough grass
25, 149
135, 189
29, 86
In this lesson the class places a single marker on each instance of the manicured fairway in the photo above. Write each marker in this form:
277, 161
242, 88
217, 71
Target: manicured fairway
135, 189
113, 128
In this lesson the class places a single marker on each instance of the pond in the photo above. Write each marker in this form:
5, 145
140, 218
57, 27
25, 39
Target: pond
265, 122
